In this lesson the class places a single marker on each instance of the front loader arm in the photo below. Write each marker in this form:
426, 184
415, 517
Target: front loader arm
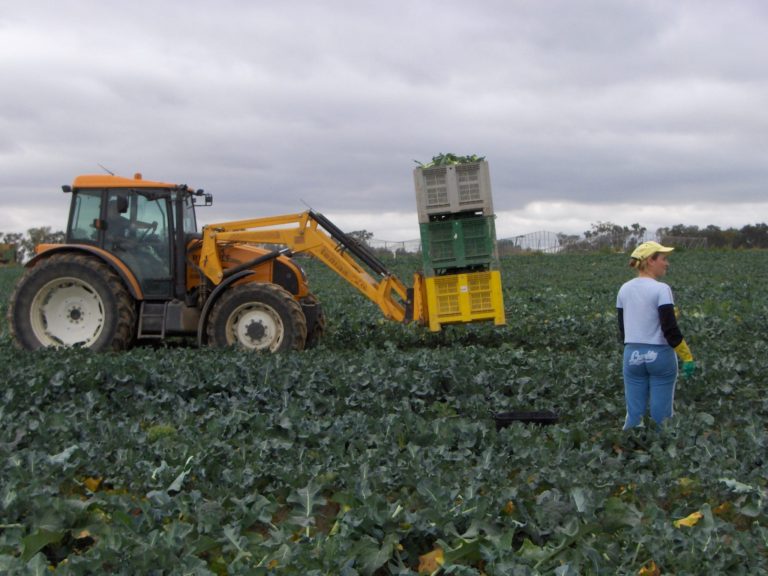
312, 233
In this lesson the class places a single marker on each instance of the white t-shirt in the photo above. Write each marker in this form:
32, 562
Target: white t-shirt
640, 299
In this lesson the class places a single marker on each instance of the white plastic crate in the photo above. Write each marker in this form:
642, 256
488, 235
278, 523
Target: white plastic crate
454, 188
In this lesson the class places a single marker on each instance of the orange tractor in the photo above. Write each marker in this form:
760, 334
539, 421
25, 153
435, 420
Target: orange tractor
134, 267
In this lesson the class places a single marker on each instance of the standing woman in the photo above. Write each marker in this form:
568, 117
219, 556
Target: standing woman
651, 337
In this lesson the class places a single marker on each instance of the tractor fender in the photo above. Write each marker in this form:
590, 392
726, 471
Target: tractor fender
215, 295
128, 278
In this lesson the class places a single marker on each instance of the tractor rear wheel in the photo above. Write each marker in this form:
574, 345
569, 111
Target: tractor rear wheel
257, 316
70, 300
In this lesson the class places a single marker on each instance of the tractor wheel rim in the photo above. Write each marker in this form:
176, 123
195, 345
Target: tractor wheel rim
67, 312
255, 326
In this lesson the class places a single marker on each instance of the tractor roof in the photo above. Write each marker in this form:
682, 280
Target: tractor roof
109, 181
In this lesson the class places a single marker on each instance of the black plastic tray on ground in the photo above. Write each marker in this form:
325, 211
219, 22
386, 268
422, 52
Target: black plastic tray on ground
541, 417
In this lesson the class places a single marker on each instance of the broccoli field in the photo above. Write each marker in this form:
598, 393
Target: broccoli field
376, 453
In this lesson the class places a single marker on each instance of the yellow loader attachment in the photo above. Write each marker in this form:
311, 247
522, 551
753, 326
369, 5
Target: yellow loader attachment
434, 301
312, 233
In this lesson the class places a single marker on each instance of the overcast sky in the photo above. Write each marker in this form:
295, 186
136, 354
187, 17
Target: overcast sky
587, 110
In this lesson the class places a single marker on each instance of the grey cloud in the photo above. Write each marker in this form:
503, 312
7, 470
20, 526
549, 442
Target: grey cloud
594, 101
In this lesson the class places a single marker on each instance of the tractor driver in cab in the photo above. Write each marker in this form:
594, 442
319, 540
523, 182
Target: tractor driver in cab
117, 225
121, 227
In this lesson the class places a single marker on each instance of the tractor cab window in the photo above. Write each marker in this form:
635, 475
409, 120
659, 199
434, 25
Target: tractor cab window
138, 232
84, 217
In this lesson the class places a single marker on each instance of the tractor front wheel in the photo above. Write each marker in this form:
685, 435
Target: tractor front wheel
257, 316
315, 316
70, 300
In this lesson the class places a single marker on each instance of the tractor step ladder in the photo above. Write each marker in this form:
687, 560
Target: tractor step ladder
152, 320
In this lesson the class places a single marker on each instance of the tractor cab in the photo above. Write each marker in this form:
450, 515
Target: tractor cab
144, 224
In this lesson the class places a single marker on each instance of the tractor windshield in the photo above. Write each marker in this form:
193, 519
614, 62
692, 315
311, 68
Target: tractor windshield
138, 232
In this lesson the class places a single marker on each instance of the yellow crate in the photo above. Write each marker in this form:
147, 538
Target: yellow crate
464, 298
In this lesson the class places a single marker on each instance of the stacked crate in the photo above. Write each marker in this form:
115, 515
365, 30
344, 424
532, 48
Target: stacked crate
458, 238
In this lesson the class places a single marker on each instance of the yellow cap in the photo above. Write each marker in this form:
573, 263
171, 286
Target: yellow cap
648, 249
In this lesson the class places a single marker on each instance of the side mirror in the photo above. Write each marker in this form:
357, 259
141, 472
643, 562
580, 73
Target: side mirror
207, 199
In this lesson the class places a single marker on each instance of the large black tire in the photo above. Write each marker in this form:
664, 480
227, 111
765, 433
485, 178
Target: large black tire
315, 316
257, 316
70, 300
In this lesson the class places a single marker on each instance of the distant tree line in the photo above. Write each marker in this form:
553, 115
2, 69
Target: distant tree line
601, 236
749, 236
610, 236
604, 236
22, 246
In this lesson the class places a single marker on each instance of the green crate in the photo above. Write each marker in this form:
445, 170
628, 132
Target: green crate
458, 243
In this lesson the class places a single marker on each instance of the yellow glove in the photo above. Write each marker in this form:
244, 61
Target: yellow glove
683, 352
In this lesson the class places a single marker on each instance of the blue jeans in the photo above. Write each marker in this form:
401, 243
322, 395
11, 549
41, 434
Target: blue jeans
650, 373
